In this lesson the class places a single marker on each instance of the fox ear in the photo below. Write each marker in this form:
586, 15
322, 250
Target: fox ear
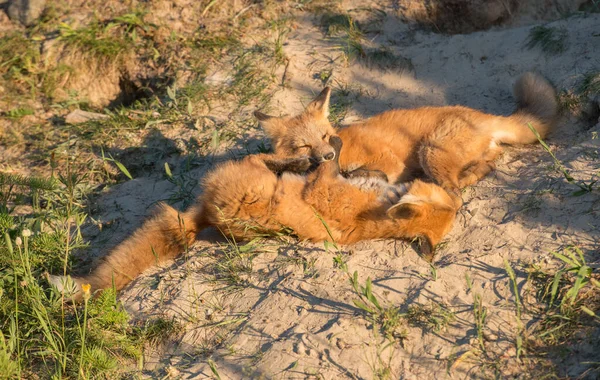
320, 104
408, 207
270, 124
262, 117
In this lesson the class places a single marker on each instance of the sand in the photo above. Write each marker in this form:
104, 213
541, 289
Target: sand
291, 315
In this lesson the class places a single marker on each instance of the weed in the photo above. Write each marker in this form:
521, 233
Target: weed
551, 40
566, 292
384, 59
584, 186
308, 267
388, 318
158, 330
234, 268
569, 101
592, 6
95, 40
185, 183
18, 113
49, 336
121, 167
590, 84
346, 33
518, 306
342, 100
480, 314
435, 316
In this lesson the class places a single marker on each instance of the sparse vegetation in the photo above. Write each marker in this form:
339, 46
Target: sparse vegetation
585, 186
550, 40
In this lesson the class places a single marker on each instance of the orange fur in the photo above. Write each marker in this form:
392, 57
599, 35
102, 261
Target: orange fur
244, 199
455, 146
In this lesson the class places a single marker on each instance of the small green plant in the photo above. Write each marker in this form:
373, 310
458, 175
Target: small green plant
435, 316
185, 183
388, 318
570, 293
551, 40
575, 263
157, 330
480, 314
121, 167
384, 59
590, 84
234, 267
347, 34
584, 186
18, 113
214, 369
518, 306
98, 41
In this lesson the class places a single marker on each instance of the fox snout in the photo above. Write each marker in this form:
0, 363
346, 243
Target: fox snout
335, 145
323, 157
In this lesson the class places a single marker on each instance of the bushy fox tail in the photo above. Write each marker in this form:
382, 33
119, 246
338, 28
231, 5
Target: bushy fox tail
162, 237
537, 105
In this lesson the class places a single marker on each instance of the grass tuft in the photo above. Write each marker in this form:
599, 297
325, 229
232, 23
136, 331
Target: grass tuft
591, 84
551, 40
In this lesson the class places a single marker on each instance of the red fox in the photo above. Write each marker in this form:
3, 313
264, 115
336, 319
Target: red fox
261, 194
455, 146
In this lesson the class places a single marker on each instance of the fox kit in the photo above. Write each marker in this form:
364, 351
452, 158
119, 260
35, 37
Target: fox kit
261, 194
455, 146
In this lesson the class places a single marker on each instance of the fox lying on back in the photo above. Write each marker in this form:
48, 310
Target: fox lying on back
248, 198
455, 146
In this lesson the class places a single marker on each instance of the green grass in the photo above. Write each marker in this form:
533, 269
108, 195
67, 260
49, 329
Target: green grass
46, 334
346, 34
568, 290
435, 316
591, 84
97, 41
384, 59
550, 40
585, 186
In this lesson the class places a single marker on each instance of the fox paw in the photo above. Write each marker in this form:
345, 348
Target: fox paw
298, 165
366, 173
336, 143
394, 193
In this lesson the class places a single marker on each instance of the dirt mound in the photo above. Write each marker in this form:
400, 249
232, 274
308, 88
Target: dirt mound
465, 16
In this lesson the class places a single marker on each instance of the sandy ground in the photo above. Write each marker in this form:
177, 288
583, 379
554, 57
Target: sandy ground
292, 315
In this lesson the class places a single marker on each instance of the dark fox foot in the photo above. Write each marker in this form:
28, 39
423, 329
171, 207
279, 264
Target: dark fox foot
336, 143
299, 165
366, 173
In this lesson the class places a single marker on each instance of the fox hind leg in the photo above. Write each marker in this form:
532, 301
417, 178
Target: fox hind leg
473, 173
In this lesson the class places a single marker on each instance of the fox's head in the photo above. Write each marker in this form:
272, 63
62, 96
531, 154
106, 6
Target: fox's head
306, 134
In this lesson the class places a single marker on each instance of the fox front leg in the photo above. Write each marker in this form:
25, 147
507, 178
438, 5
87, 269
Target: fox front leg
298, 165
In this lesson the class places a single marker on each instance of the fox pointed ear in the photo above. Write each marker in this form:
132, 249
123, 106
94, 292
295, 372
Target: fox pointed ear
271, 124
320, 104
408, 207
262, 117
